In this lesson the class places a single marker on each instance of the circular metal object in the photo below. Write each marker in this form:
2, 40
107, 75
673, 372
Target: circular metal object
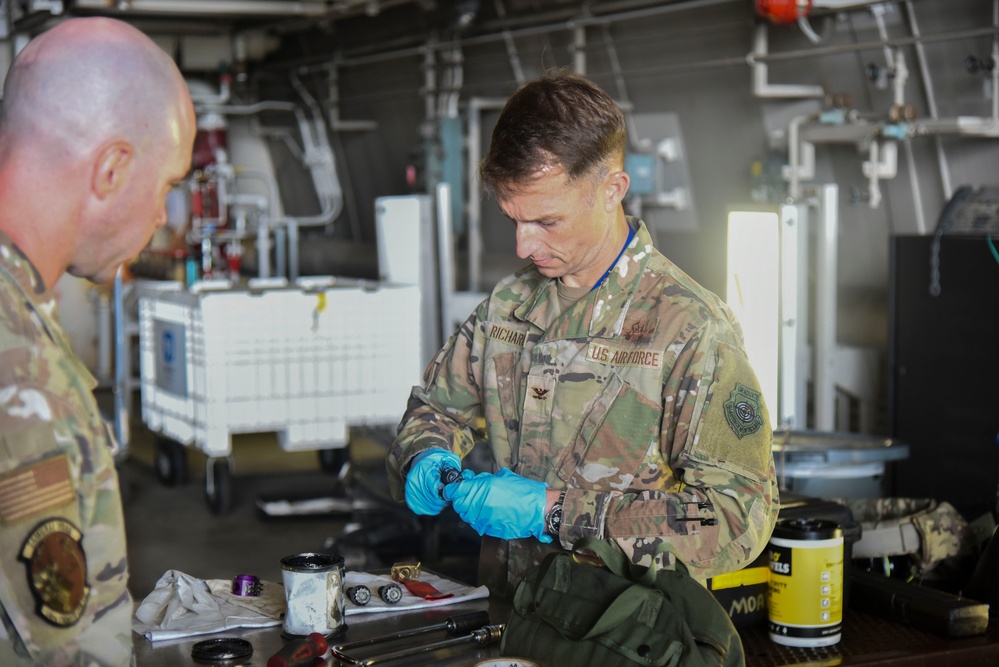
311, 562
313, 584
359, 595
222, 648
391, 593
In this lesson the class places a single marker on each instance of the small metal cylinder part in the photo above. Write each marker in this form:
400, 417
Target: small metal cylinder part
359, 595
391, 593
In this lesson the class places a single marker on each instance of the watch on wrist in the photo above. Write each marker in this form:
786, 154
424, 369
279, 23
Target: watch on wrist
553, 520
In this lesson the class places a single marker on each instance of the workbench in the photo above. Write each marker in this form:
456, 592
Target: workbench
867, 640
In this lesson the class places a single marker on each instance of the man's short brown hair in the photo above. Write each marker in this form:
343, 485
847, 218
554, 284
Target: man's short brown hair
560, 119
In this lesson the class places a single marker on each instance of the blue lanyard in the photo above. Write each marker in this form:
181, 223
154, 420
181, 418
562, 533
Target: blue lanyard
631, 235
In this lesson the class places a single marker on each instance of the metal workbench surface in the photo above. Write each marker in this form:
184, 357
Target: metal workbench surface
867, 640
267, 641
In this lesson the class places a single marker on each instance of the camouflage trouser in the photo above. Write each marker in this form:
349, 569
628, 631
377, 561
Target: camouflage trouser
927, 531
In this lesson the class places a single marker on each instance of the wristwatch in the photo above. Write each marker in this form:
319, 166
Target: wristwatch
553, 521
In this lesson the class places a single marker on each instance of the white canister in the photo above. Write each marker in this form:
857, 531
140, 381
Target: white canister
313, 588
805, 595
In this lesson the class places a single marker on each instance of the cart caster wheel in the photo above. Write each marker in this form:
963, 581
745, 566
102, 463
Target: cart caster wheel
171, 462
333, 460
218, 487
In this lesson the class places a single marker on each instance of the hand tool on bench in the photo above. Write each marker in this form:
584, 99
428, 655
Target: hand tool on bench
473, 624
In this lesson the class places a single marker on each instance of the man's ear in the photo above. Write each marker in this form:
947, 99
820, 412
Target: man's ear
616, 187
112, 168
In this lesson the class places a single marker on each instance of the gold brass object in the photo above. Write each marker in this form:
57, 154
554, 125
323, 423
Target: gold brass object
404, 571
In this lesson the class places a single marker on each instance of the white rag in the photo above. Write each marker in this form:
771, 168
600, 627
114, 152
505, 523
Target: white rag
184, 606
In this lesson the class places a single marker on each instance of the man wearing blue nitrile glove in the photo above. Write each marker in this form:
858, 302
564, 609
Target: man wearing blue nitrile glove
424, 483
615, 388
504, 505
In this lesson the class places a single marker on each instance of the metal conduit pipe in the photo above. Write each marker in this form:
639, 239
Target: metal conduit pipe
574, 24
429, 81
511, 47
579, 50
995, 62
475, 107
931, 104
917, 197
277, 8
622, 91
320, 161
569, 22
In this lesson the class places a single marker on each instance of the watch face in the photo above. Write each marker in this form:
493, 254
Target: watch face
554, 521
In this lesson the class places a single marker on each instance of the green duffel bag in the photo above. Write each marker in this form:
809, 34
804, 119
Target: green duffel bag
571, 612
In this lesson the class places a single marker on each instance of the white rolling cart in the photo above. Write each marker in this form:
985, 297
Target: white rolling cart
306, 361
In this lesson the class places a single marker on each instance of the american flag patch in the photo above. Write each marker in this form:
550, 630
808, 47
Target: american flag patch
35, 488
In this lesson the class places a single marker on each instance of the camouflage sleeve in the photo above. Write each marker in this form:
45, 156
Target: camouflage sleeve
716, 439
76, 506
440, 414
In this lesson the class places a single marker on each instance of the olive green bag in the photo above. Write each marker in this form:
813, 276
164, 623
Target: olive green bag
571, 612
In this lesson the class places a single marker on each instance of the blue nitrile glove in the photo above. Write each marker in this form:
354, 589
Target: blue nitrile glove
423, 482
503, 505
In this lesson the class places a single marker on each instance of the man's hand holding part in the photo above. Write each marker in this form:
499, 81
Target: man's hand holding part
503, 505
424, 483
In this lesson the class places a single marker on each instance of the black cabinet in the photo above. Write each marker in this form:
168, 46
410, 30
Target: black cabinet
944, 370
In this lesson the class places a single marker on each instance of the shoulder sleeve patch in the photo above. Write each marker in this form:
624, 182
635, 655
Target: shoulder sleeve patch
734, 431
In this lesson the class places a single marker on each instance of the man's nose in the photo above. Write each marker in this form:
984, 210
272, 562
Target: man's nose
525, 241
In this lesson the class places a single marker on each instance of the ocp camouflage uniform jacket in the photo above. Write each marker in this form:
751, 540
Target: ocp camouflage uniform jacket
638, 401
63, 571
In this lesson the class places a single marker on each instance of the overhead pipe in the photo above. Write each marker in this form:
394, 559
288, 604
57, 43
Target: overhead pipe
211, 7
761, 85
573, 23
569, 21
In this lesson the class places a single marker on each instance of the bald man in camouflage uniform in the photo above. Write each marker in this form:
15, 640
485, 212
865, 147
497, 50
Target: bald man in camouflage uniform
96, 125
601, 370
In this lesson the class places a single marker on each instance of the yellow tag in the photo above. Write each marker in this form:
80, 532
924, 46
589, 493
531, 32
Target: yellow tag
746, 577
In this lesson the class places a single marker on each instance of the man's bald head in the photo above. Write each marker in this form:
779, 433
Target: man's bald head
85, 81
96, 127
